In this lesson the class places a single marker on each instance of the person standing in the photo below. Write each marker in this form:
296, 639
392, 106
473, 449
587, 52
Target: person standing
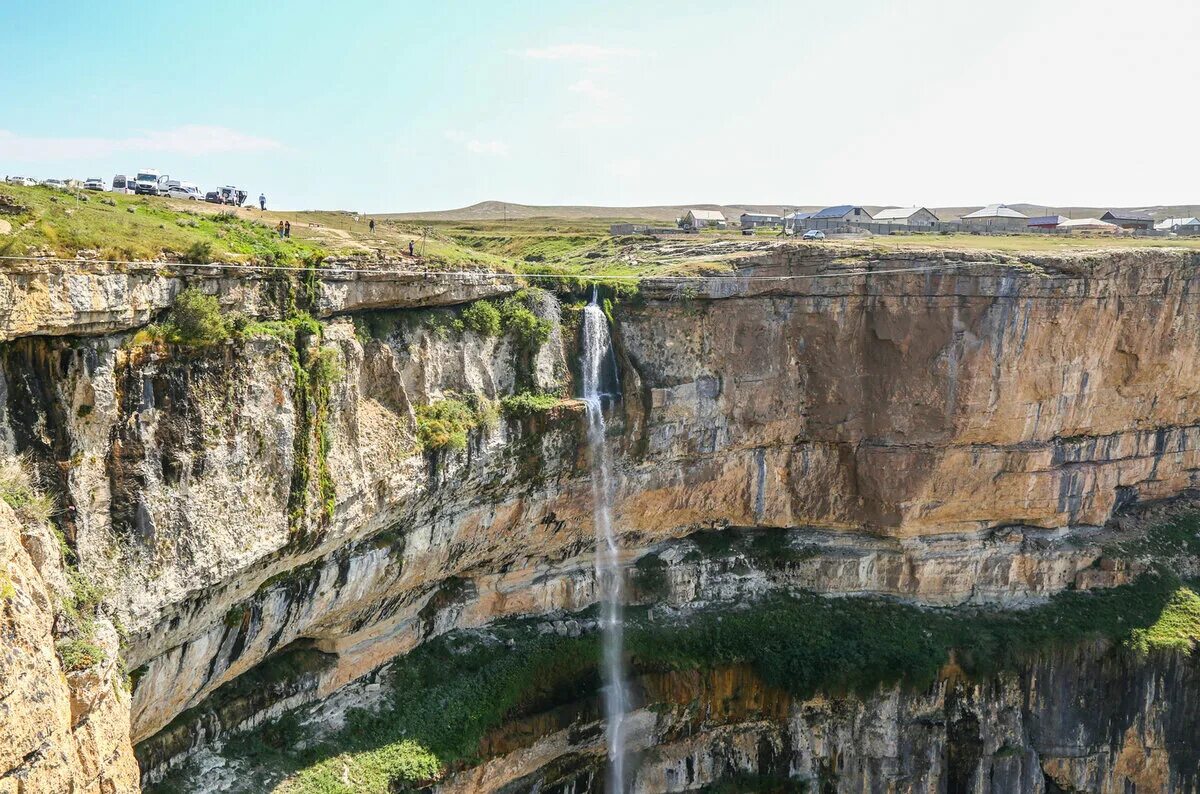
410, 247
279, 228
262, 201
287, 229
372, 226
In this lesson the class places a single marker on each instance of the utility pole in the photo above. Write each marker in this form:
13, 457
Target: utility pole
424, 232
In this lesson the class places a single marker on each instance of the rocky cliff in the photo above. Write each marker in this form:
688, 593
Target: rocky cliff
946, 429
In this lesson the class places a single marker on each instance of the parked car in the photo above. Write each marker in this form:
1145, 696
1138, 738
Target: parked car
93, 183
184, 190
813, 234
55, 183
122, 184
27, 181
213, 197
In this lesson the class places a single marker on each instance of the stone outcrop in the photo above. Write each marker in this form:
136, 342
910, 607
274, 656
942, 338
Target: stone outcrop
76, 298
62, 731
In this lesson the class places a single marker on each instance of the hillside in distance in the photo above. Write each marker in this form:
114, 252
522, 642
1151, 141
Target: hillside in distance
500, 210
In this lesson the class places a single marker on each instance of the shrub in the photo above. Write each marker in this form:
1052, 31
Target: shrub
326, 366
79, 655
196, 317
483, 318
17, 490
527, 404
445, 424
529, 330
198, 253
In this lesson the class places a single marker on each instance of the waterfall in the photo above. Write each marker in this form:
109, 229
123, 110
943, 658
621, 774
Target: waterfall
596, 349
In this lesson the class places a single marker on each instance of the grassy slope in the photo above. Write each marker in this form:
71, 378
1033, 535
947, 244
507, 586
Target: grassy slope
64, 223
451, 691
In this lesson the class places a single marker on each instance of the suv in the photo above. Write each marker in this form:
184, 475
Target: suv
813, 234
93, 183
27, 181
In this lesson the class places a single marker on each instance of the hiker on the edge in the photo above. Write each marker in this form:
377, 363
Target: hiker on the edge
262, 201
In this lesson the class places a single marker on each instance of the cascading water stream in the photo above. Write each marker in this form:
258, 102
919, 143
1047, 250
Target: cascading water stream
609, 576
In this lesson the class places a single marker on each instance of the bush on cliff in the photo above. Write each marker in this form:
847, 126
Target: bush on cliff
526, 404
517, 318
444, 424
483, 318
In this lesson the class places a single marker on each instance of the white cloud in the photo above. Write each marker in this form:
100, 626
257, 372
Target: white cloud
476, 146
487, 147
575, 52
189, 139
602, 107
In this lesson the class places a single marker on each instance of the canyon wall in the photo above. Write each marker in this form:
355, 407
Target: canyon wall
1084, 720
951, 429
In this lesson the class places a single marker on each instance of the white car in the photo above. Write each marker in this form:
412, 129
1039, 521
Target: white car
93, 183
189, 192
55, 183
813, 234
27, 181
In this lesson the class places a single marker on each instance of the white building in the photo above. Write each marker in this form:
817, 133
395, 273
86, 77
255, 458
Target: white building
698, 219
906, 216
996, 217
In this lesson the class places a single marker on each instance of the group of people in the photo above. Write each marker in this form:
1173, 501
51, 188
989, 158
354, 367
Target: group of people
284, 228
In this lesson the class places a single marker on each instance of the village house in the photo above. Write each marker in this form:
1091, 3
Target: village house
906, 216
1179, 225
751, 220
843, 213
995, 218
1128, 219
1046, 222
698, 219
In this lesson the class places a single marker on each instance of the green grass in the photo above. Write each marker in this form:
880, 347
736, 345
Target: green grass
1177, 627
121, 227
451, 691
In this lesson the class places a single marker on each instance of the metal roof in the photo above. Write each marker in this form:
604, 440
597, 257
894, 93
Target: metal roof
706, 215
994, 211
1087, 223
1126, 215
1047, 220
835, 212
1170, 223
797, 216
757, 216
899, 213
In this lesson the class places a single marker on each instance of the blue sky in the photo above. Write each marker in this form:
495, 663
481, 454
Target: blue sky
408, 106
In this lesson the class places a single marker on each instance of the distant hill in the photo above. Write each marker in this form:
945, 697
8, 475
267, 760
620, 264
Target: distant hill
497, 210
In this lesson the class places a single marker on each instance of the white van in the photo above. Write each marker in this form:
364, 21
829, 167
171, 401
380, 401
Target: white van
150, 183
122, 184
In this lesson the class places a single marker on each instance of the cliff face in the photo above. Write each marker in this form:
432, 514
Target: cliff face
64, 730
947, 435
1085, 720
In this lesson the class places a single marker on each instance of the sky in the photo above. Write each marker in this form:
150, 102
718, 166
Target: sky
408, 106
